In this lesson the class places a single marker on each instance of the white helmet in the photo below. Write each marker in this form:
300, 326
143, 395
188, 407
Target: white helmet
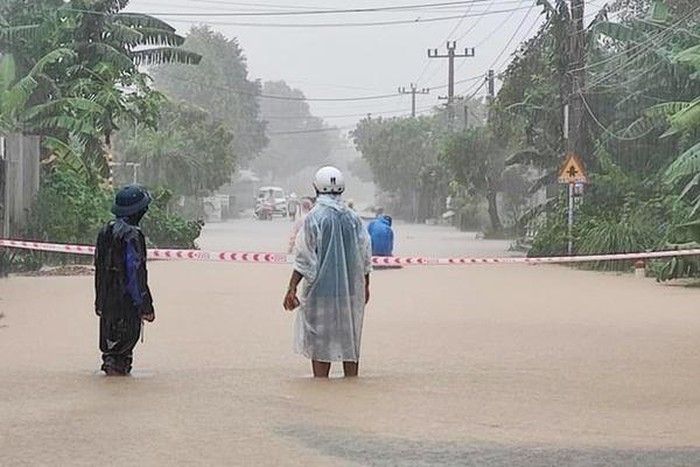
329, 181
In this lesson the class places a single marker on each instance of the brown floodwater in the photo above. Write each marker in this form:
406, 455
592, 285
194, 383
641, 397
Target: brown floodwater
487, 365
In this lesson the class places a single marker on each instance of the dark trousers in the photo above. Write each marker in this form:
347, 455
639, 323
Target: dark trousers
118, 337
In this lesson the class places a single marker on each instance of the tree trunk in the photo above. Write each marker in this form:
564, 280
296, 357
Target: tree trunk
492, 198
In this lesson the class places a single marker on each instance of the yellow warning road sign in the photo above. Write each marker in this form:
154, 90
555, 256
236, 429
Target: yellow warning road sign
573, 170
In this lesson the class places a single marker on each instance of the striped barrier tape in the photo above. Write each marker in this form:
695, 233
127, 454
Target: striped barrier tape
281, 258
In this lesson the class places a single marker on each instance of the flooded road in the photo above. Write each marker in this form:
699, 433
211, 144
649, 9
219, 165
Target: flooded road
479, 365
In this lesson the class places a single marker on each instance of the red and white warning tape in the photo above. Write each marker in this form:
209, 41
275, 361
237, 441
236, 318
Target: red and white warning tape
280, 258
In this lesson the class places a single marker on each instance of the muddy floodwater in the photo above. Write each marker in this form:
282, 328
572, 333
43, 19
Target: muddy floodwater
476, 365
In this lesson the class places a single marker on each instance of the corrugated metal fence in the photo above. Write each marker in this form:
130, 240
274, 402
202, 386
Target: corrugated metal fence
19, 180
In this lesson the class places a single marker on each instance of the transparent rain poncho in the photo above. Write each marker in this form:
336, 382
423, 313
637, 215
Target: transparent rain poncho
333, 253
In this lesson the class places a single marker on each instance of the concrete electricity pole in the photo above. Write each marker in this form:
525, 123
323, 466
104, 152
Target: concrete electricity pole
574, 115
413, 90
450, 56
492, 85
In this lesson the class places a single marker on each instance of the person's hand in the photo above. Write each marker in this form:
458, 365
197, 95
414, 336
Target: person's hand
291, 301
147, 314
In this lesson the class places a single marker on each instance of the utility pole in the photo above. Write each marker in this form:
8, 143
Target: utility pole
574, 115
450, 56
413, 90
490, 79
492, 85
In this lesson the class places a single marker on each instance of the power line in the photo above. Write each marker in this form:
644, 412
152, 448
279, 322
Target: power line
417, 20
672, 27
630, 60
328, 117
302, 99
473, 26
419, 6
606, 129
284, 98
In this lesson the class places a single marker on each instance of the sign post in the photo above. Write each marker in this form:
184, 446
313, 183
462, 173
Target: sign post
573, 172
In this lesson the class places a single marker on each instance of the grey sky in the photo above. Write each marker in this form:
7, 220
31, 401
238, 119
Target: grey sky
332, 62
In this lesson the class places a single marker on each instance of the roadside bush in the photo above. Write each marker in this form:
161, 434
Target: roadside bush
167, 230
633, 232
68, 209
552, 236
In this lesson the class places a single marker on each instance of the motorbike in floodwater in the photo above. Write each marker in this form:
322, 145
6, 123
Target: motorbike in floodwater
264, 211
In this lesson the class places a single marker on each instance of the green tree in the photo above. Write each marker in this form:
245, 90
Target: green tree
402, 153
190, 153
220, 85
297, 139
107, 47
476, 160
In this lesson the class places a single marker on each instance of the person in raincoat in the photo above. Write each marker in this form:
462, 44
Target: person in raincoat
305, 207
382, 236
123, 298
333, 256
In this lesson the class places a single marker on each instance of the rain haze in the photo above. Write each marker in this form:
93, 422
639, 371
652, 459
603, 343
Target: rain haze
359, 61
272, 233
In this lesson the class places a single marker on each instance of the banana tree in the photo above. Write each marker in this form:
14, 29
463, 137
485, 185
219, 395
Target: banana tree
108, 48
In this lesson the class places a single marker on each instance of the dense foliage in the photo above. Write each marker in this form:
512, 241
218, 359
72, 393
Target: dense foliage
76, 64
220, 85
190, 153
69, 210
402, 154
297, 139
73, 72
629, 77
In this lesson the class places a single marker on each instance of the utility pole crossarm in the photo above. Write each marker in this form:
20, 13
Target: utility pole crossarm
450, 56
413, 90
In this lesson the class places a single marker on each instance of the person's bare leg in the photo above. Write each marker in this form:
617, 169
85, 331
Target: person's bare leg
321, 369
351, 369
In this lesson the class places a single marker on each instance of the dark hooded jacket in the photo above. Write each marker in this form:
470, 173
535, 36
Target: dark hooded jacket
121, 278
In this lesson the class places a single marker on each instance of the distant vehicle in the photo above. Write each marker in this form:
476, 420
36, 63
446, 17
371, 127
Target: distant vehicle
275, 197
263, 211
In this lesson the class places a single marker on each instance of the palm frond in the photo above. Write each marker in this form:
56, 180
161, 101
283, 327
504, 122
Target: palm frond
15, 99
640, 127
658, 13
68, 105
690, 56
8, 72
692, 184
163, 55
160, 37
666, 109
134, 35
54, 56
26, 32
109, 54
687, 119
686, 165
141, 21
123, 34
617, 31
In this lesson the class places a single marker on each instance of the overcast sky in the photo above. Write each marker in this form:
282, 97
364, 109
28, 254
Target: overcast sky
339, 62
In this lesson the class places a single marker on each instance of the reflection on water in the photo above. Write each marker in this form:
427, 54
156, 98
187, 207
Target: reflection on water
378, 450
